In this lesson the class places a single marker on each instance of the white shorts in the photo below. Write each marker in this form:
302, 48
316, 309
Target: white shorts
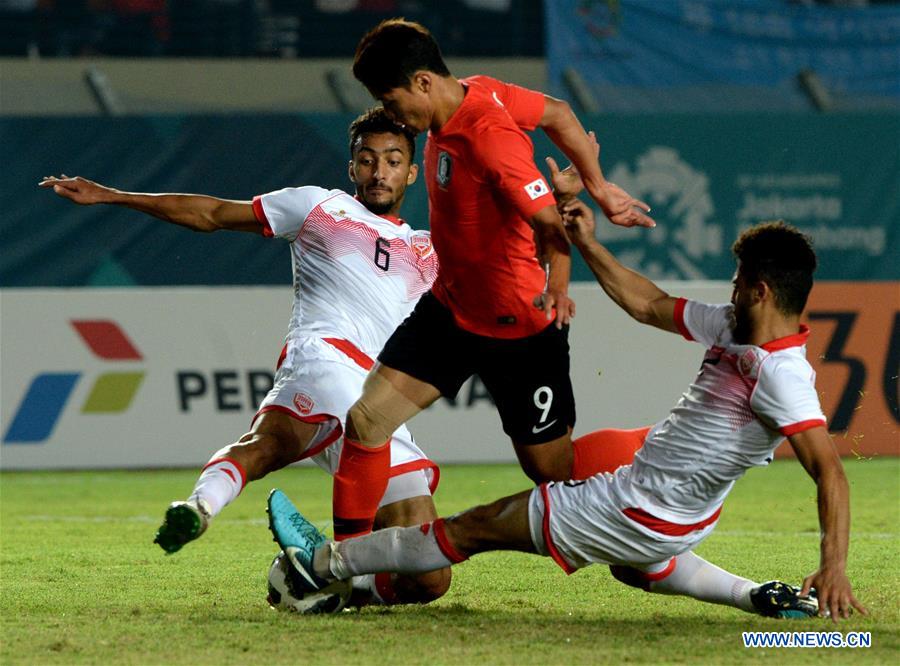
317, 382
578, 523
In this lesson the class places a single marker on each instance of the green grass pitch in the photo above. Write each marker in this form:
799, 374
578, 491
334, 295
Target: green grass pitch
82, 582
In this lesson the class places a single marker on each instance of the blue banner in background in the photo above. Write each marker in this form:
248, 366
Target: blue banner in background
709, 54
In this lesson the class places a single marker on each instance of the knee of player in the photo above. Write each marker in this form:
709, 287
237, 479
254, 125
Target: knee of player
630, 576
433, 585
366, 426
542, 471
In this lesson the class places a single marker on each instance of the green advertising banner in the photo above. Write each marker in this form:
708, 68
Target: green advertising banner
836, 176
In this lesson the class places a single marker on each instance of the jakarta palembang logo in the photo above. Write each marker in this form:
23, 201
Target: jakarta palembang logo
47, 395
679, 196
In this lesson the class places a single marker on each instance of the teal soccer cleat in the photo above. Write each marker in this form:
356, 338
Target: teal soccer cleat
777, 599
299, 540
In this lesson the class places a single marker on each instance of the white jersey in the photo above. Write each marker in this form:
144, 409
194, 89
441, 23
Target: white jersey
744, 401
356, 275
742, 404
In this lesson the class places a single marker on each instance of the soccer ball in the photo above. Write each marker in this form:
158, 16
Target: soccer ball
329, 599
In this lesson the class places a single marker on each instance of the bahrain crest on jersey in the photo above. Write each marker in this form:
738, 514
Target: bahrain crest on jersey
420, 241
303, 403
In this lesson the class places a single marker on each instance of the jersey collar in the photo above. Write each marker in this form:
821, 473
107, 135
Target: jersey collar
390, 218
796, 340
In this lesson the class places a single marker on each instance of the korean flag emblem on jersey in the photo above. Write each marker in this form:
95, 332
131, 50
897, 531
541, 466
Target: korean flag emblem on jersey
536, 189
444, 167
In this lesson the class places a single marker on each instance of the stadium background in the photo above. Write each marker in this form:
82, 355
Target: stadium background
124, 342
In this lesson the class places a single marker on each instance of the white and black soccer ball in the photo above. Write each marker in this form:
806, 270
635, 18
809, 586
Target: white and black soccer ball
330, 599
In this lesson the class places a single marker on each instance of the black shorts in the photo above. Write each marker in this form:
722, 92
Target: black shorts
528, 378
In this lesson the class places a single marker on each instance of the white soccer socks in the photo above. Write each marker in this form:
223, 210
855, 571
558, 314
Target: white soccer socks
695, 577
219, 484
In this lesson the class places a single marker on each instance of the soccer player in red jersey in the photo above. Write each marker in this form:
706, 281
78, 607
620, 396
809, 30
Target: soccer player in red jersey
500, 306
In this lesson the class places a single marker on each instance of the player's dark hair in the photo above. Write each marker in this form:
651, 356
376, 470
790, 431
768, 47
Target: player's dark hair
377, 121
781, 256
391, 52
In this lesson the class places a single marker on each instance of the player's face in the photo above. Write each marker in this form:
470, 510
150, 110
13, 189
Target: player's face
381, 171
741, 323
408, 106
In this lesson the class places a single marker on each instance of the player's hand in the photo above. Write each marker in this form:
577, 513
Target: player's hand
621, 208
567, 182
77, 189
579, 220
565, 306
835, 593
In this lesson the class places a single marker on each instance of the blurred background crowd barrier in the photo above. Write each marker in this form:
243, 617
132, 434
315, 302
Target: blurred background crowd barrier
719, 113
261, 28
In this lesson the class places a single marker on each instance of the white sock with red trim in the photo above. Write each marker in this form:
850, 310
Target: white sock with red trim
408, 550
220, 482
695, 577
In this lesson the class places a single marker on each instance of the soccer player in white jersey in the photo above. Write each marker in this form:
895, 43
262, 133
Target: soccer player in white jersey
358, 271
754, 388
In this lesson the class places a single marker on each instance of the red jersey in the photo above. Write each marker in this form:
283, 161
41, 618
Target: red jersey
483, 187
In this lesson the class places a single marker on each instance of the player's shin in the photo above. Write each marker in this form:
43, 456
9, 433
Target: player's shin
359, 484
219, 484
694, 577
409, 550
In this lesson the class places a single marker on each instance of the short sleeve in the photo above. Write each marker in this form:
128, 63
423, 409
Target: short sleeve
507, 157
525, 106
283, 212
785, 396
710, 325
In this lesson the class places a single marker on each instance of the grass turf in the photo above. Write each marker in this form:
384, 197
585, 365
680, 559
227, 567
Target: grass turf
82, 583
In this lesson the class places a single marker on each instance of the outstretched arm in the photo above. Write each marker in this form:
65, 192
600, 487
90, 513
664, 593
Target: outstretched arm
817, 454
564, 129
630, 290
194, 211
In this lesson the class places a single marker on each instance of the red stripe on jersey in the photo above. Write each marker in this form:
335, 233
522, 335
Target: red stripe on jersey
231, 461
260, 214
548, 540
352, 351
281, 357
664, 526
796, 340
800, 426
659, 575
679, 319
440, 535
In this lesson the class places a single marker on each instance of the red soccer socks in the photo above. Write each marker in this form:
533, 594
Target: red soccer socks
605, 451
359, 484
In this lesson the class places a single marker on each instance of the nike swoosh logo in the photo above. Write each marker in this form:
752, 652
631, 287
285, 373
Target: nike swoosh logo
536, 430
